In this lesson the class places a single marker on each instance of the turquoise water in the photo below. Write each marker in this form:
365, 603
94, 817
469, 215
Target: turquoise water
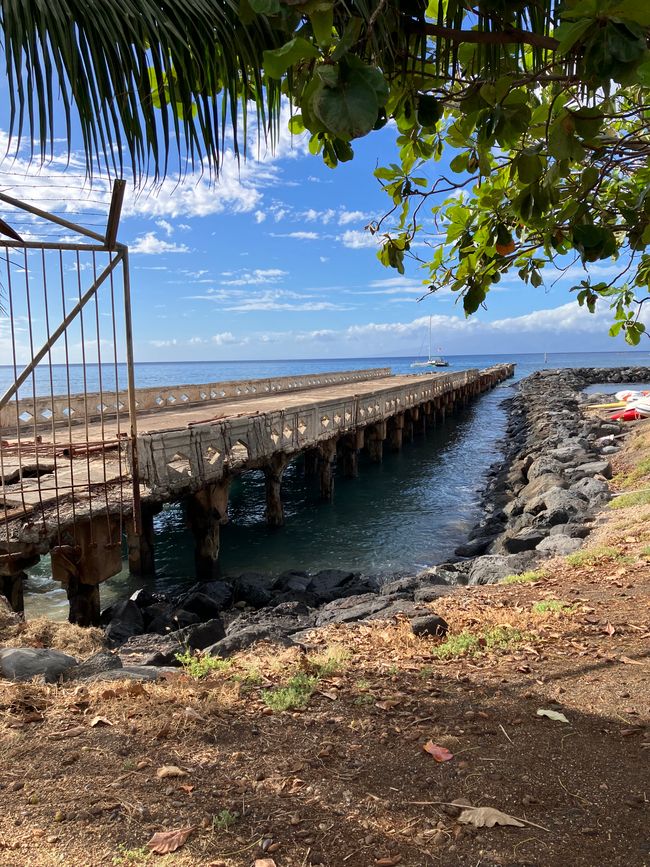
408, 512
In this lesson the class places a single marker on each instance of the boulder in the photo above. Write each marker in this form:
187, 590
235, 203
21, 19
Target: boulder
494, 567
200, 636
247, 636
434, 591
219, 591
173, 620
150, 650
474, 547
570, 502
126, 620
595, 490
330, 584
591, 469
540, 485
99, 662
24, 663
544, 465
146, 673
558, 545
255, 588
429, 625
524, 540
200, 604
398, 608
575, 531
551, 518
358, 608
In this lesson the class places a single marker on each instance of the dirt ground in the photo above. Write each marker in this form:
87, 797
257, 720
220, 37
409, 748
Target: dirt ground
344, 780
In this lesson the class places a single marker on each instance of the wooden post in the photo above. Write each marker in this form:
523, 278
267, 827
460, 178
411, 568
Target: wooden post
12, 576
396, 432
375, 436
327, 451
141, 547
207, 510
348, 452
273, 472
81, 567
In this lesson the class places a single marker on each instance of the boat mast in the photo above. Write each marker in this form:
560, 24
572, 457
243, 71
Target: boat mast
429, 338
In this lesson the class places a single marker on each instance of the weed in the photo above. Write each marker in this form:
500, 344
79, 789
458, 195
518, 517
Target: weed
502, 637
463, 644
363, 684
295, 695
392, 670
130, 857
554, 606
224, 820
329, 662
637, 498
198, 666
591, 556
645, 552
364, 699
468, 643
640, 470
425, 672
250, 677
523, 577
129, 765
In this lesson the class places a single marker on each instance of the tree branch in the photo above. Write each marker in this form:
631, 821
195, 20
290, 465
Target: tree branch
501, 37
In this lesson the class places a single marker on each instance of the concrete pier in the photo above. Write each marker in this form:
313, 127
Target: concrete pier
192, 441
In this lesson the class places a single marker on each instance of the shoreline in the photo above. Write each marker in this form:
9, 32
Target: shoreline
541, 500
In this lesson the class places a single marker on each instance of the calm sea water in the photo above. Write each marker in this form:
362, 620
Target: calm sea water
407, 513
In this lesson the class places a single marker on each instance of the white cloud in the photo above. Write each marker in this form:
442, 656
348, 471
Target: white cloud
166, 226
299, 236
150, 244
224, 338
346, 217
357, 240
254, 278
260, 216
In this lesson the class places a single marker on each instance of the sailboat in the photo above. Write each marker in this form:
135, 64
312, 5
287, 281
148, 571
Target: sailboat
431, 362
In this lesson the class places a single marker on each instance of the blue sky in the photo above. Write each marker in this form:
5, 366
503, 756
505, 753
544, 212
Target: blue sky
273, 261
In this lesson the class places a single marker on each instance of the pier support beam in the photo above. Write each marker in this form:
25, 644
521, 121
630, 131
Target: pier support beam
312, 459
327, 452
207, 510
12, 576
141, 547
348, 453
81, 567
375, 436
396, 432
273, 472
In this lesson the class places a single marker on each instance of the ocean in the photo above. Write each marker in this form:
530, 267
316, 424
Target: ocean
407, 513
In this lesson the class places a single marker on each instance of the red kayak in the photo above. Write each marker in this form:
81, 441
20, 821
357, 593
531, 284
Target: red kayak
628, 415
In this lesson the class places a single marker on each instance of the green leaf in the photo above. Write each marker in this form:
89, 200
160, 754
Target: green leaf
265, 7
348, 110
529, 168
279, 60
570, 34
430, 110
322, 23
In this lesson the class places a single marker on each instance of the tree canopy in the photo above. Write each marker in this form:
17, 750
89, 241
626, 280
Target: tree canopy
537, 112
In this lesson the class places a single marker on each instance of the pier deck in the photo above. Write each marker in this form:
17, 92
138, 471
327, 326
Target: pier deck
66, 489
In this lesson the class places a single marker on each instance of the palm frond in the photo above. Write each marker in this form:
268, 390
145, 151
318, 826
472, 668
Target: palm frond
93, 58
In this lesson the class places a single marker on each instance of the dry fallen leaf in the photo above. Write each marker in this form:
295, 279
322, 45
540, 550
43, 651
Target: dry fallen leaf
163, 842
552, 714
440, 754
609, 628
628, 661
487, 817
170, 771
389, 704
388, 862
100, 721
264, 862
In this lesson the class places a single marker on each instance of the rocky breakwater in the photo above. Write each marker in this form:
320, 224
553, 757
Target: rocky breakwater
544, 495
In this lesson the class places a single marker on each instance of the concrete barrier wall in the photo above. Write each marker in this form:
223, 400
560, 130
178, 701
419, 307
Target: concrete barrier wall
177, 461
93, 406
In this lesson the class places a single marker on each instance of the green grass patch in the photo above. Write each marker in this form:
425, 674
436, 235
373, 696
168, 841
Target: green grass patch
363, 700
199, 666
130, 857
591, 556
638, 472
332, 660
294, 695
645, 552
524, 577
468, 643
637, 498
224, 820
552, 606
